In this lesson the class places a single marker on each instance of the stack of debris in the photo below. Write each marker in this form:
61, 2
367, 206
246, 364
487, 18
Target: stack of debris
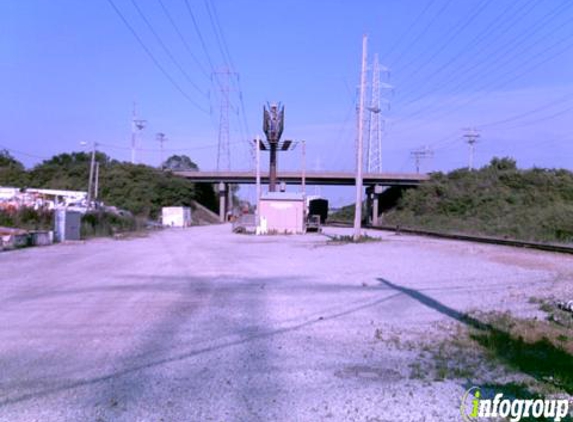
566, 306
17, 238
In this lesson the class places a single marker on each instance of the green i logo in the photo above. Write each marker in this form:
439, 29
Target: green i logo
475, 402
469, 408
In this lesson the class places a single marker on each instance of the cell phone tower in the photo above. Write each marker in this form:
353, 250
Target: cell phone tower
375, 119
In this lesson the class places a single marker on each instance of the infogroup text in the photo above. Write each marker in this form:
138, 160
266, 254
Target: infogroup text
475, 408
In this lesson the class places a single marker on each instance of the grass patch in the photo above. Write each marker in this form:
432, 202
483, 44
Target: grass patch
494, 346
541, 349
344, 239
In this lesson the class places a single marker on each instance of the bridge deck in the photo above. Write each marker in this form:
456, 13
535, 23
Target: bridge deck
312, 178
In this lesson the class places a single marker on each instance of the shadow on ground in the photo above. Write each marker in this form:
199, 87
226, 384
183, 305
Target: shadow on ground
541, 359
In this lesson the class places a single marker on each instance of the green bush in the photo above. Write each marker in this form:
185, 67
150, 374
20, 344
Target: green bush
497, 200
101, 224
27, 219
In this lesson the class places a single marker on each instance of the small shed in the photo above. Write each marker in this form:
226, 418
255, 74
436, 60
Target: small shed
282, 212
67, 225
176, 216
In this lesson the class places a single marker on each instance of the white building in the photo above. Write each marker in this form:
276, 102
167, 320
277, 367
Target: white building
282, 212
176, 216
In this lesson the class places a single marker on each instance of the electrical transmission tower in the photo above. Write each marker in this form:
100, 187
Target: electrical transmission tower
161, 138
421, 154
375, 120
137, 125
471, 136
223, 145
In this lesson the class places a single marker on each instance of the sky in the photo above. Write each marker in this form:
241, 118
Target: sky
71, 71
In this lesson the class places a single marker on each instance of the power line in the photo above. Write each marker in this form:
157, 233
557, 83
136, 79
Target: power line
206, 146
515, 15
423, 32
220, 37
200, 35
512, 76
413, 25
182, 38
17, 152
166, 49
563, 99
509, 58
154, 60
452, 35
544, 118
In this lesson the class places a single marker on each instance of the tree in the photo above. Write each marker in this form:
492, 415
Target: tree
65, 171
141, 189
12, 172
180, 163
503, 164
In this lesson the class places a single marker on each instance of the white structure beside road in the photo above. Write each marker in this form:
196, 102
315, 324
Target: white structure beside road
176, 216
282, 212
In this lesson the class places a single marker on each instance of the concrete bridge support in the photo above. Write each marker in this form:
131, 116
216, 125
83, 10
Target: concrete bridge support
373, 203
223, 192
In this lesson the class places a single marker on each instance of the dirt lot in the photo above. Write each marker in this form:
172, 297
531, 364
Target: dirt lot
205, 325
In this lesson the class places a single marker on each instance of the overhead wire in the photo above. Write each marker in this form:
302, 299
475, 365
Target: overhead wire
451, 36
421, 33
167, 50
409, 29
511, 77
182, 38
562, 99
200, 35
155, 60
220, 37
481, 37
25, 154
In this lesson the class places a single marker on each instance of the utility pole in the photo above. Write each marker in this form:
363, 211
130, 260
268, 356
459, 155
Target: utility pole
303, 147
421, 154
92, 170
258, 177
96, 188
471, 136
137, 126
161, 139
359, 160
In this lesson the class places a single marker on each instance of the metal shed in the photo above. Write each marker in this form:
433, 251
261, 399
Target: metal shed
282, 212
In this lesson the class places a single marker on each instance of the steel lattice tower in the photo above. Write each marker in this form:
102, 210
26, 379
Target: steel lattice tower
374, 152
223, 145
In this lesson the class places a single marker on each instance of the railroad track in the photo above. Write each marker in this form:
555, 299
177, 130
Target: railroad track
550, 247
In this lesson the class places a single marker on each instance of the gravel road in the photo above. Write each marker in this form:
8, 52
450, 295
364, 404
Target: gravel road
204, 325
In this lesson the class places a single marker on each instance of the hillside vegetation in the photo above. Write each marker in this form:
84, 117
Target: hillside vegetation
140, 189
498, 200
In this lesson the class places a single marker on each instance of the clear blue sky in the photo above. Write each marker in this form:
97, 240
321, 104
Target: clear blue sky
71, 69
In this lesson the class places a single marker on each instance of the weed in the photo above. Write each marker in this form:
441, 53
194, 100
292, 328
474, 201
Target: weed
343, 239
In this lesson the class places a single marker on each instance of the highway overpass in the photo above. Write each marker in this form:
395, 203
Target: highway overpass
312, 178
